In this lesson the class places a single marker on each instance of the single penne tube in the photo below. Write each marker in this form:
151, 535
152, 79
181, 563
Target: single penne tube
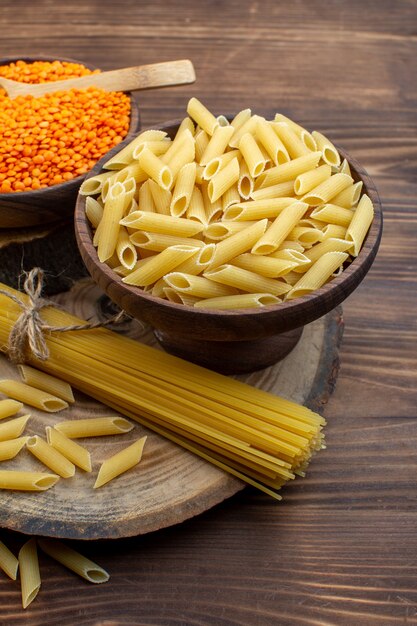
306, 235
199, 174
36, 378
158, 242
196, 209
197, 286
359, 226
345, 168
161, 198
223, 121
125, 250
318, 274
30, 395
13, 428
93, 186
280, 229
240, 118
10, 448
94, 427
93, 211
299, 259
330, 213
349, 197
199, 261
201, 139
257, 209
8, 562
252, 155
125, 156
300, 131
30, 578
160, 265
249, 126
333, 231
163, 224
186, 124
239, 301
156, 147
309, 180
329, 152
184, 186
271, 142
217, 144
69, 448
237, 243
155, 168
295, 147
218, 163
245, 184
263, 265
9, 407
50, 457
327, 190
120, 463
73, 560
288, 171
289, 245
231, 196
185, 153
274, 191
202, 116
246, 280
225, 178
179, 298
145, 198
26, 481
221, 230
329, 245
214, 210
113, 212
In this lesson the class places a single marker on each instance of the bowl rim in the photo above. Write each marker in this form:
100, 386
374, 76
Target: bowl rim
68, 184
337, 290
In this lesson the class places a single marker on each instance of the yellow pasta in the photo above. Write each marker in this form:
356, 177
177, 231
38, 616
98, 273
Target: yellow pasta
272, 144
157, 170
274, 191
93, 211
158, 242
50, 457
69, 449
26, 481
197, 286
318, 274
240, 118
327, 190
13, 428
249, 126
252, 155
280, 228
199, 261
163, 224
202, 116
295, 147
359, 226
245, 184
159, 265
9, 407
349, 197
109, 225
74, 561
185, 153
221, 230
94, 427
125, 156
11, 447
240, 301
306, 235
224, 179
8, 562
246, 280
257, 209
55, 386
309, 180
30, 578
145, 198
183, 190
162, 198
125, 250
201, 139
238, 243
231, 196
328, 245
120, 462
217, 144
263, 265
218, 163
329, 152
302, 133
93, 186
330, 213
32, 396
196, 209
289, 171
156, 147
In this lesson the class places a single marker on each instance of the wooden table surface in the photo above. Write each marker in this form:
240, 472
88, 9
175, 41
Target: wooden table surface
341, 549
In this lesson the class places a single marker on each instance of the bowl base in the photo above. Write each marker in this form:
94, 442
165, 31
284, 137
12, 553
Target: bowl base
231, 357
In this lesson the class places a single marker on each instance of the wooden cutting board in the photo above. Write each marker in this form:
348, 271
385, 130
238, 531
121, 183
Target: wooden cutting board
170, 484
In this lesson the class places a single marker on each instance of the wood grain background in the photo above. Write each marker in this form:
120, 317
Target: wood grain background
341, 549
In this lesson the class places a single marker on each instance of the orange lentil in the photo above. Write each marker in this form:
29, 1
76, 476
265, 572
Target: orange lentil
59, 136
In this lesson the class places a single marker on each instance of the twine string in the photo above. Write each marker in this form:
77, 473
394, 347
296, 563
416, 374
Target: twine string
29, 331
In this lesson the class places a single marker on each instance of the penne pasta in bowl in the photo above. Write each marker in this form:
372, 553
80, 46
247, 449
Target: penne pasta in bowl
243, 230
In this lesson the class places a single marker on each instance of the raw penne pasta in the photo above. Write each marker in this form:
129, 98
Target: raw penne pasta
120, 462
359, 226
214, 210
271, 142
218, 163
345, 168
245, 184
263, 265
274, 191
239, 301
68, 448
157, 170
279, 229
329, 245
349, 197
223, 121
162, 198
217, 144
201, 139
55, 386
159, 265
183, 190
9, 407
93, 186
158, 289
163, 224
252, 155
295, 147
238, 243
196, 209
74, 561
288, 171
125, 250
231, 196
246, 280
249, 126
202, 116
240, 118
93, 211
145, 198
94, 427
333, 231
318, 274
32, 396
8, 562
330, 213
197, 286
26, 481
10, 448
158, 242
221, 230
288, 245
50, 457
156, 147
125, 156
13, 428
225, 178
30, 578
299, 259
330, 154
113, 212
257, 209
185, 153
179, 298
199, 261
309, 180
186, 124
302, 133
306, 235
327, 190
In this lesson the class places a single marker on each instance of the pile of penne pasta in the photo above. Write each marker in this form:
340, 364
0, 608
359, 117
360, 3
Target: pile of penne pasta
227, 215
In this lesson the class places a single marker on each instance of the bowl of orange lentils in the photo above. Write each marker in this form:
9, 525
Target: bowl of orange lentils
49, 143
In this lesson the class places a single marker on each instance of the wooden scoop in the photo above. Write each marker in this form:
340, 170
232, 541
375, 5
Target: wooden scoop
127, 79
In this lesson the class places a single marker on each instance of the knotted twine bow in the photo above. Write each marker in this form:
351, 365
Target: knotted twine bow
29, 329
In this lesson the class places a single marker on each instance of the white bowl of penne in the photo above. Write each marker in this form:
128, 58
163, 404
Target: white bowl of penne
227, 236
